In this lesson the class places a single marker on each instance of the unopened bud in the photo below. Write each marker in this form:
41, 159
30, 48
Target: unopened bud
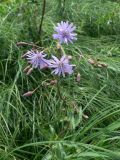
58, 46
53, 82
29, 71
91, 61
26, 69
104, 65
69, 57
85, 116
100, 65
78, 77
27, 94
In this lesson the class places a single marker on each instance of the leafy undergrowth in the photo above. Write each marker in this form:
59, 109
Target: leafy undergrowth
84, 125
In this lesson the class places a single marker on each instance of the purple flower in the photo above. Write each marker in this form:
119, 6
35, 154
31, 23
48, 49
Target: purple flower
37, 59
65, 32
62, 66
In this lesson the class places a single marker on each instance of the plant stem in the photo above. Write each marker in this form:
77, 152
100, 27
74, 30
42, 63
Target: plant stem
63, 5
58, 90
27, 44
42, 18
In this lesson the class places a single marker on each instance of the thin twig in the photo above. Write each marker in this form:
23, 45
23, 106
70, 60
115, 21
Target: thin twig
43, 13
27, 44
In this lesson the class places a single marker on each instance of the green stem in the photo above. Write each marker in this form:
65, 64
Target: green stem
58, 90
42, 18
63, 5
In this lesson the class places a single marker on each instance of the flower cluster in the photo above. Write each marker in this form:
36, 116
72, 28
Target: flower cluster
60, 66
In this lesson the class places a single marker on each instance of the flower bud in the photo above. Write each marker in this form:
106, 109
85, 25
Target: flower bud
91, 61
85, 116
78, 78
45, 84
58, 46
104, 65
53, 82
27, 94
26, 69
29, 71
69, 57
100, 65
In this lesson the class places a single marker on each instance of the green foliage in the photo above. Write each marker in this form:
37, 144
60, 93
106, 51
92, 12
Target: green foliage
44, 127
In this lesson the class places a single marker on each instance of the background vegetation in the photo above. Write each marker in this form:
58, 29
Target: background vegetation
44, 127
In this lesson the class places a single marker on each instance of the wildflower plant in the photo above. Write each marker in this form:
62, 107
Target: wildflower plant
65, 32
62, 66
59, 65
37, 59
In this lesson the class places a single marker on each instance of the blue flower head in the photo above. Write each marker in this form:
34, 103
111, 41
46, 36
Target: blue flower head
65, 32
37, 59
61, 66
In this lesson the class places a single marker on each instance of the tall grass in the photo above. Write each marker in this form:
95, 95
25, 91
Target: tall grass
44, 127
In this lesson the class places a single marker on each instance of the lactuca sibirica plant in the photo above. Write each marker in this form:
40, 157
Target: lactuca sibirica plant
37, 59
65, 32
59, 65
62, 66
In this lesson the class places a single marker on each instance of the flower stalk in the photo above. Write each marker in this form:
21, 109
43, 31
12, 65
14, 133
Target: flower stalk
42, 18
58, 90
